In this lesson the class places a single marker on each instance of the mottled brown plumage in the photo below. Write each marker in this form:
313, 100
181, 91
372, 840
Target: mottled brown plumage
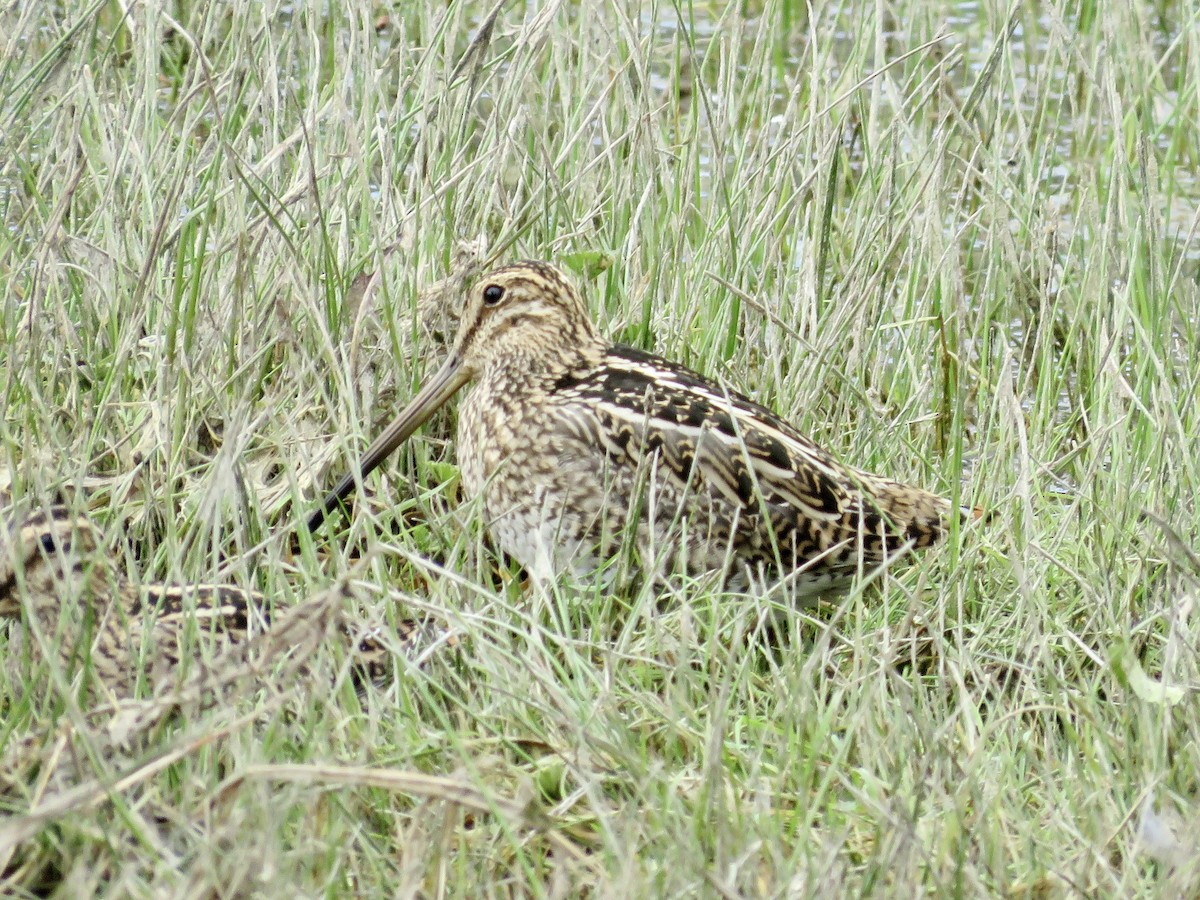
55, 579
573, 442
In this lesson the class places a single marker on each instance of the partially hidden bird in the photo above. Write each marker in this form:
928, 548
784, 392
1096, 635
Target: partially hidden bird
56, 579
572, 444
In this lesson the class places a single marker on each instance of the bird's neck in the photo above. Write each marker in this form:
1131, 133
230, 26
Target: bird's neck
525, 369
49, 589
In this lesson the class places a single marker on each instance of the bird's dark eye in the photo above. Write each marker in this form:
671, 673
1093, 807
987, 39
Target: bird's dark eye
493, 294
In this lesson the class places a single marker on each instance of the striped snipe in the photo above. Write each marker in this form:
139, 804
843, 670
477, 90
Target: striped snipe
568, 438
53, 557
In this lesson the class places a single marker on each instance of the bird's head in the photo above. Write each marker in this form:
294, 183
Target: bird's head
526, 316
45, 557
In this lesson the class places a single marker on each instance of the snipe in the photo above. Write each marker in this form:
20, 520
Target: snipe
55, 579
573, 444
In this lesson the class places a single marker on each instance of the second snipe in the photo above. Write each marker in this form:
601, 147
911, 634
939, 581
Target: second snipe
574, 444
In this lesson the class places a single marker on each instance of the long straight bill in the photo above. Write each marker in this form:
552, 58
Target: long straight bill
449, 378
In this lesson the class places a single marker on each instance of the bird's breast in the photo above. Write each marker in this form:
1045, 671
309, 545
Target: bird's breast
504, 436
